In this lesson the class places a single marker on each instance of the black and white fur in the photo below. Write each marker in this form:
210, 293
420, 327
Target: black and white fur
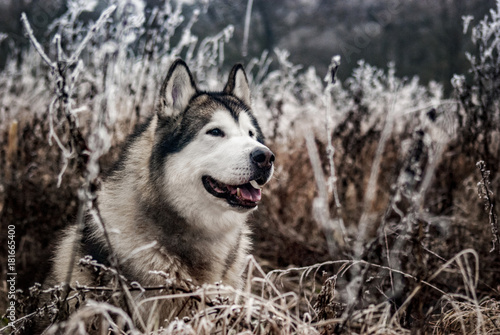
178, 199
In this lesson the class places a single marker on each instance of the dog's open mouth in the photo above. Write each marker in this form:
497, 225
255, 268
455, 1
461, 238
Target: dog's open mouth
246, 195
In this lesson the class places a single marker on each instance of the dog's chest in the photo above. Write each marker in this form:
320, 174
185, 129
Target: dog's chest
209, 260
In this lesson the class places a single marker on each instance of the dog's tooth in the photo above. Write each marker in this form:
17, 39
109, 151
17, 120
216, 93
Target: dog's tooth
255, 184
238, 192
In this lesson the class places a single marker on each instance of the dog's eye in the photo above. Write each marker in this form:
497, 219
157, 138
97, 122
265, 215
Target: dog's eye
251, 133
216, 132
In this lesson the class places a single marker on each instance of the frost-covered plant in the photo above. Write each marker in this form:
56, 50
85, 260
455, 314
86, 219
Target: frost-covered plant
292, 101
371, 200
480, 117
479, 113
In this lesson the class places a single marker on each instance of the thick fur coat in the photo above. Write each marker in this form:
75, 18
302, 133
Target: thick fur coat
178, 198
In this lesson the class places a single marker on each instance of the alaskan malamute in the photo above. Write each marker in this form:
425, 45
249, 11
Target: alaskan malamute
178, 198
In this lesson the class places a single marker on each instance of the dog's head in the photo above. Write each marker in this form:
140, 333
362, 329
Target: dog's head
209, 150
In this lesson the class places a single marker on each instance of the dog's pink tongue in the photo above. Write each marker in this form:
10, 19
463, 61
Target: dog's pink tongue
250, 194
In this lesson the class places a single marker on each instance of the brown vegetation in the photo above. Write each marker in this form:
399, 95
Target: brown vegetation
407, 243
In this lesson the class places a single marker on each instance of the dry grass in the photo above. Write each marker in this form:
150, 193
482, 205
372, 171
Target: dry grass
307, 299
372, 225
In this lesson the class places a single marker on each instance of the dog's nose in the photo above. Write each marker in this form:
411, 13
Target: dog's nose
262, 157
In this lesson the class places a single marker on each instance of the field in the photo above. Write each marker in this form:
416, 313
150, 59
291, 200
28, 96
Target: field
381, 219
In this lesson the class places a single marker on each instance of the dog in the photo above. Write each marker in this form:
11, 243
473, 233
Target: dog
178, 198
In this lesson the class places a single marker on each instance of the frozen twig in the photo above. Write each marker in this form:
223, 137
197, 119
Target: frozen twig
321, 211
486, 194
371, 188
248, 16
97, 26
330, 79
35, 43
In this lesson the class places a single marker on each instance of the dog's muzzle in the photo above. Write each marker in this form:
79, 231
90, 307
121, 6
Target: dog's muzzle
248, 194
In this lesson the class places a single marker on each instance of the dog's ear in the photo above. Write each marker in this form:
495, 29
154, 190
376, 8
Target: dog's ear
177, 90
237, 84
